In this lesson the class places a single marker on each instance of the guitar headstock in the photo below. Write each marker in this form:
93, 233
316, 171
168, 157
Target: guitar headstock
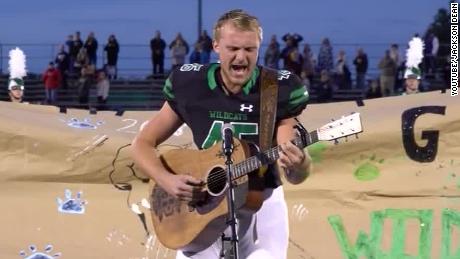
343, 127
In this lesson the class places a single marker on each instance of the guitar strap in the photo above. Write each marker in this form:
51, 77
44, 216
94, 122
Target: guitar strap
268, 104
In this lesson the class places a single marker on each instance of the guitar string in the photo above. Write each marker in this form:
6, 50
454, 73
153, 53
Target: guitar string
214, 180
220, 175
270, 152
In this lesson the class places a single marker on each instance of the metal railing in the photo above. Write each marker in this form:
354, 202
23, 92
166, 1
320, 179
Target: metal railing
134, 59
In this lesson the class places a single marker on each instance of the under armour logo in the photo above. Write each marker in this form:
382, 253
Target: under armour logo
246, 108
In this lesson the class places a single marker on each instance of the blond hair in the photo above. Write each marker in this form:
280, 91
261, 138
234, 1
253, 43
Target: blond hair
241, 20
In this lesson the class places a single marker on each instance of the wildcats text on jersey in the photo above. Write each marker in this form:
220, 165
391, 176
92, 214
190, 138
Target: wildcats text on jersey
228, 116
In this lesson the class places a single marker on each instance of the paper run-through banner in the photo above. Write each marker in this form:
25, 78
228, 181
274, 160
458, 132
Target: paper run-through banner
394, 191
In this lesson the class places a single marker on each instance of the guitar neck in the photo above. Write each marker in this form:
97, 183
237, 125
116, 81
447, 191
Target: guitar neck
269, 156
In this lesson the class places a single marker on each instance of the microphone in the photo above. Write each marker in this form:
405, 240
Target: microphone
227, 137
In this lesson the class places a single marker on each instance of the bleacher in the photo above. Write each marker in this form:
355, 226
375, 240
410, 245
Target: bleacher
147, 94
123, 94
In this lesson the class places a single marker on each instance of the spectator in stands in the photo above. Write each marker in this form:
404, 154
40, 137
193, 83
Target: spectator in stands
399, 79
62, 61
111, 50
374, 90
361, 64
286, 54
292, 58
178, 53
157, 46
195, 55
396, 57
325, 56
325, 87
275, 41
102, 86
387, 68
69, 44
430, 52
342, 72
82, 58
77, 46
308, 64
305, 80
394, 53
183, 42
272, 54
88, 71
206, 47
52, 79
91, 46
294, 61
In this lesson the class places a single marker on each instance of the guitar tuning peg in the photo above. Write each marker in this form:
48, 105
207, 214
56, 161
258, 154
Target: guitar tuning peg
356, 136
336, 142
332, 120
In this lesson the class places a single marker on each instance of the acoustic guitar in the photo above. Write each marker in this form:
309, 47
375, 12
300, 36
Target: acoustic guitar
193, 227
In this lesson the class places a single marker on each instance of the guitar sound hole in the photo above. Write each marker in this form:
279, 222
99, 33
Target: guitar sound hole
217, 181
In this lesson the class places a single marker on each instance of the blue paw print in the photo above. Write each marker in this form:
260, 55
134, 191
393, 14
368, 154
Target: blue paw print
83, 124
71, 205
39, 255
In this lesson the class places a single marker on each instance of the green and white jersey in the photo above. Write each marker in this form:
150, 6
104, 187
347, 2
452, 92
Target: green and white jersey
195, 92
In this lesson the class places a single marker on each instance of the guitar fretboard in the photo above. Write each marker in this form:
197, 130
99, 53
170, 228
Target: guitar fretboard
269, 156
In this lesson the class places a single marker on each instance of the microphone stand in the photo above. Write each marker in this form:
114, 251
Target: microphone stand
231, 220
